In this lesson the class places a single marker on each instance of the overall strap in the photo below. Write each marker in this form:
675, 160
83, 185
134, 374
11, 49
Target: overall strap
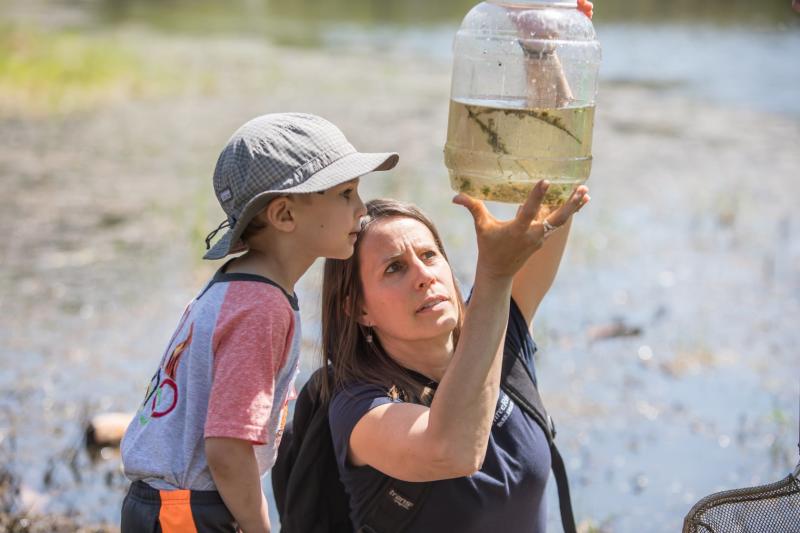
517, 382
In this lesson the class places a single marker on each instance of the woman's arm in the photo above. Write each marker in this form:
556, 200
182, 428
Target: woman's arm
548, 87
547, 84
449, 439
536, 277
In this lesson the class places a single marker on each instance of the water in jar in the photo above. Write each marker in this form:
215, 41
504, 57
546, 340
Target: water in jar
496, 151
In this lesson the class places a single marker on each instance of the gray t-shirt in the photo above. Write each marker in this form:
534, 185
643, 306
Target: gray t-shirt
227, 372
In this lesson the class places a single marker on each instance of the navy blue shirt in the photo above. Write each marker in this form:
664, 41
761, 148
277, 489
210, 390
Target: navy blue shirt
507, 492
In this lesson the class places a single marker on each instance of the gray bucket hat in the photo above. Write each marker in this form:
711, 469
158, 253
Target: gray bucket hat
279, 154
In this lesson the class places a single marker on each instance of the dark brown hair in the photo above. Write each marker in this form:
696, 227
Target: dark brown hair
344, 342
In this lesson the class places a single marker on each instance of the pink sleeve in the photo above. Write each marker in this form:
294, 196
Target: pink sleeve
251, 342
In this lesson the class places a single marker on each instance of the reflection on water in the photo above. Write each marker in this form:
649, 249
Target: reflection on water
755, 69
763, 73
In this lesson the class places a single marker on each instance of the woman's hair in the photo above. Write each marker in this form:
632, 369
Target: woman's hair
344, 342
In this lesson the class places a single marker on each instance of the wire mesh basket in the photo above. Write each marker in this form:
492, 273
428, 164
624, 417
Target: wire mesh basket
773, 508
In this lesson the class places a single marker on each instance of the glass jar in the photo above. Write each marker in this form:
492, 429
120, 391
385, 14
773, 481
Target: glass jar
522, 100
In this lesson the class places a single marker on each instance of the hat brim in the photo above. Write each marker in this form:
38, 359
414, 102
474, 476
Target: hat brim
342, 170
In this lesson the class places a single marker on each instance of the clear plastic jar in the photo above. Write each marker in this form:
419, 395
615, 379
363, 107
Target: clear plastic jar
522, 100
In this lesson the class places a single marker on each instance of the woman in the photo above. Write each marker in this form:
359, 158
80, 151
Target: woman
393, 313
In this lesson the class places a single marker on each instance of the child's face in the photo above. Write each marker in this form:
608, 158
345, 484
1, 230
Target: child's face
328, 223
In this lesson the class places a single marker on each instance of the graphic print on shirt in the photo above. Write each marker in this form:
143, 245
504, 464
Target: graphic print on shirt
504, 409
282, 425
162, 393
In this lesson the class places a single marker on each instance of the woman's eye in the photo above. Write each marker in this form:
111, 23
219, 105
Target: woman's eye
430, 254
347, 193
394, 267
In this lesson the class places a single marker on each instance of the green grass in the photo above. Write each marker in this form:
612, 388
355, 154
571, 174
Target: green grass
63, 71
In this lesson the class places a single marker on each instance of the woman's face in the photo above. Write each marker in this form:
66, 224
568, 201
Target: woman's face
409, 292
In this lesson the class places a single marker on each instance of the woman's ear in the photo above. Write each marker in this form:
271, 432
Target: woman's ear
362, 317
278, 214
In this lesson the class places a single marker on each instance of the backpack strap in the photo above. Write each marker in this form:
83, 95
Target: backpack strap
518, 383
309, 495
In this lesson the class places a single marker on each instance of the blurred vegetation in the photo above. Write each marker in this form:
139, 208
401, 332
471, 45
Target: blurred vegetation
268, 16
61, 71
67, 68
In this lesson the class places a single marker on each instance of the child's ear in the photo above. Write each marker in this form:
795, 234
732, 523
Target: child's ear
278, 214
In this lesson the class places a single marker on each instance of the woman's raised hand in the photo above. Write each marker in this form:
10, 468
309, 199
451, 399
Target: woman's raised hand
504, 246
586, 7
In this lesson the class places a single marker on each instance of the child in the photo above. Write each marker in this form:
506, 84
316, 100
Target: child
212, 417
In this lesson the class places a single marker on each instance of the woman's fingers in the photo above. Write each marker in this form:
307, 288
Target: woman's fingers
523, 226
504, 246
527, 212
586, 7
475, 207
578, 198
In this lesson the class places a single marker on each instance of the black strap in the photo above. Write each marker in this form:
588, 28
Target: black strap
517, 382
562, 483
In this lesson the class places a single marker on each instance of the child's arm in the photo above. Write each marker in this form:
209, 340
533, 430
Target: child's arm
251, 343
235, 471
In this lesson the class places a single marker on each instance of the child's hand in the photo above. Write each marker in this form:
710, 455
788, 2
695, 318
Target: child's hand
586, 7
